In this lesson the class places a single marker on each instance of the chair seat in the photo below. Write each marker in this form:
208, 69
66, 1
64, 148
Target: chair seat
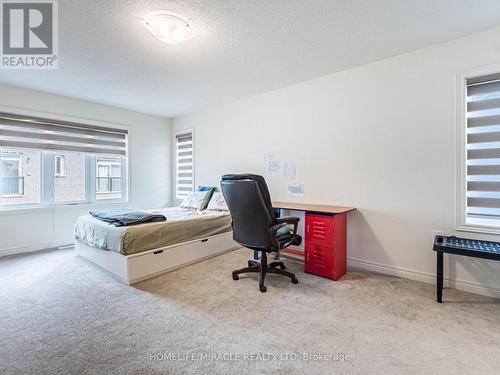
286, 238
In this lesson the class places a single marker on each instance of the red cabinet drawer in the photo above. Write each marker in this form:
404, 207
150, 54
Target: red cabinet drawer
318, 260
319, 230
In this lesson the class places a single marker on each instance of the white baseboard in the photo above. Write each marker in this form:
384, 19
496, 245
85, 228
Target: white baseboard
32, 248
428, 278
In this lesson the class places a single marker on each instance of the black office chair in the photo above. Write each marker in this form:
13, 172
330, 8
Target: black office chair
255, 225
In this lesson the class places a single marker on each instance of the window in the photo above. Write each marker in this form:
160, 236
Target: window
108, 178
59, 166
19, 176
10, 172
48, 162
70, 177
184, 162
480, 192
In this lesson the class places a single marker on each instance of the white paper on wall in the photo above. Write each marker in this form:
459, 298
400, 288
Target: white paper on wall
295, 188
273, 165
268, 156
289, 170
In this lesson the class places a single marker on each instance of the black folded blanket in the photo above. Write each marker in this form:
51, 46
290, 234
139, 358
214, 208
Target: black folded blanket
122, 217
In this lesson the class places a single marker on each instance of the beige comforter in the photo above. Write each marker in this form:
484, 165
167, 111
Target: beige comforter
182, 225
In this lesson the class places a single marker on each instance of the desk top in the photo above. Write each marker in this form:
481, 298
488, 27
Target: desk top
313, 207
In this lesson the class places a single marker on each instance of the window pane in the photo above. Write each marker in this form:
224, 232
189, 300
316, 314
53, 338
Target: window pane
69, 180
108, 177
59, 165
20, 176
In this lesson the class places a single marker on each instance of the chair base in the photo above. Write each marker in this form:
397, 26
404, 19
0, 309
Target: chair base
263, 268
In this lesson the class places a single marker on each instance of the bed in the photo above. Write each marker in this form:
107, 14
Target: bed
138, 252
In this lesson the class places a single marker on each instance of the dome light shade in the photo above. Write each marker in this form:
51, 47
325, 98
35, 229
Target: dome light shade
168, 28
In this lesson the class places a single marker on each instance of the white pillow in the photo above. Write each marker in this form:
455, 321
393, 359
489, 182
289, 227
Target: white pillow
218, 203
195, 199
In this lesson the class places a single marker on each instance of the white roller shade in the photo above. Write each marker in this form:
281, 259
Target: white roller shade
184, 173
46, 134
483, 146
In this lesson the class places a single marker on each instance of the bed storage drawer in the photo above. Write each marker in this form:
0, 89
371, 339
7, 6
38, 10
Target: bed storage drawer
152, 263
137, 267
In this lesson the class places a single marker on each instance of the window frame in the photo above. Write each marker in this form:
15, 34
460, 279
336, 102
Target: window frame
48, 176
19, 174
174, 161
51, 173
16, 206
47, 168
462, 224
123, 177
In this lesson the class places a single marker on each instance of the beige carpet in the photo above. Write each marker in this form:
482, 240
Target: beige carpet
61, 315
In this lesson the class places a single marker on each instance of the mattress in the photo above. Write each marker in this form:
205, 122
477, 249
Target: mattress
182, 225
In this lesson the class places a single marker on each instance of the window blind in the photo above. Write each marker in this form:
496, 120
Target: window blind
46, 134
483, 147
184, 164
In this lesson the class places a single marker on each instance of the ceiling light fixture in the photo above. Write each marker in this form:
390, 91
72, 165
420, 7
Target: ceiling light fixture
168, 28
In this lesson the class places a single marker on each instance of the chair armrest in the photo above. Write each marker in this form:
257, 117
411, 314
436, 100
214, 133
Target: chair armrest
283, 221
287, 219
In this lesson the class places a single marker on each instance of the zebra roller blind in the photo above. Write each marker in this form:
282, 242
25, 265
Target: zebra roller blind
483, 147
46, 134
184, 177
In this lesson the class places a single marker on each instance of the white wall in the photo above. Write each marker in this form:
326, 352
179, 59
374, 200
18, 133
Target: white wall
150, 169
380, 137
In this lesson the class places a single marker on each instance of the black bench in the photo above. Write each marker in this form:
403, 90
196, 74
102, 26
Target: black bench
461, 246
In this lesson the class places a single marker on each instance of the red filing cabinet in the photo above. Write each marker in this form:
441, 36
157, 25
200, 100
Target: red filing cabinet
325, 245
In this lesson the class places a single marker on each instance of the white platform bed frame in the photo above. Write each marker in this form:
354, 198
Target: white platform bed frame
133, 268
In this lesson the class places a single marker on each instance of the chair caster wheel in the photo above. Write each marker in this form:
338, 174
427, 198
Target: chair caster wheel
235, 277
263, 288
295, 281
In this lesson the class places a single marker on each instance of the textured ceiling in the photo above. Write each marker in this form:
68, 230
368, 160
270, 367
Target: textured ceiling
241, 47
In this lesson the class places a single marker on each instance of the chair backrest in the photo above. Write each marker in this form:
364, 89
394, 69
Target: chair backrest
249, 203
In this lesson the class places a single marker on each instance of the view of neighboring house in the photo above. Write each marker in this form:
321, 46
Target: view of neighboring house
69, 177
20, 181
108, 178
20, 177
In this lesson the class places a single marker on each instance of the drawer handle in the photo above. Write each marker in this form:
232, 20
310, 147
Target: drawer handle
158, 252
205, 240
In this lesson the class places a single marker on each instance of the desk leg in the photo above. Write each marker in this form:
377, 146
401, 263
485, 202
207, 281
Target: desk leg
439, 273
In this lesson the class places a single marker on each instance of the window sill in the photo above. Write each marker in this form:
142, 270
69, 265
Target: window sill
6, 211
480, 229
